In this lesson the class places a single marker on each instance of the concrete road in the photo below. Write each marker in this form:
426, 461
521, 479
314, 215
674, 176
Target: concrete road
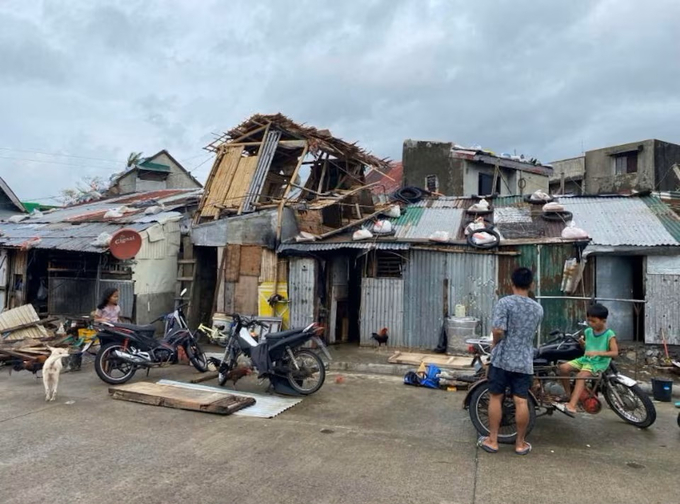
368, 440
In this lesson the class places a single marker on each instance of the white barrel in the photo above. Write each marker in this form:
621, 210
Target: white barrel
459, 329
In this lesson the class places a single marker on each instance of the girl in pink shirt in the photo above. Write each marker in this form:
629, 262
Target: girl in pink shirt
108, 310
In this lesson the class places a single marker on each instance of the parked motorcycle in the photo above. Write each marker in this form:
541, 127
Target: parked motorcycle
125, 348
280, 356
621, 393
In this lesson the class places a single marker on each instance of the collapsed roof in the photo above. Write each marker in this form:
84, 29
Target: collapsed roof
259, 164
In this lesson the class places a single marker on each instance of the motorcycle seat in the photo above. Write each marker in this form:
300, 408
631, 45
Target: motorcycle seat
541, 362
282, 334
145, 329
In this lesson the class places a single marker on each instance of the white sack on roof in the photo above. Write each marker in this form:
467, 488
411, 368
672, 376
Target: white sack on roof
540, 196
153, 210
480, 206
440, 236
483, 238
571, 232
102, 240
553, 207
305, 236
113, 213
16, 219
382, 227
393, 212
362, 234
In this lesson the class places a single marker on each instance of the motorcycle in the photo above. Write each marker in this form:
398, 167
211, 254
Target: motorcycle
125, 348
280, 357
623, 395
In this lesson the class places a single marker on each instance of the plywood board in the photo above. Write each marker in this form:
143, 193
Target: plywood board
245, 297
181, 398
251, 260
241, 185
268, 267
19, 316
232, 265
442, 361
221, 182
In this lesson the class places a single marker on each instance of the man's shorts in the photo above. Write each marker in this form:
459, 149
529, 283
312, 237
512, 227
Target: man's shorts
518, 383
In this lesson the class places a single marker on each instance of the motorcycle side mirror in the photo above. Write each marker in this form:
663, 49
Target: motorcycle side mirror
583, 324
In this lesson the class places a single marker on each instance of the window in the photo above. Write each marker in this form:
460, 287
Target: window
432, 183
626, 163
384, 264
486, 183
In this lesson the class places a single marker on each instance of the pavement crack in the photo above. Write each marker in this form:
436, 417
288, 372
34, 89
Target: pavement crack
476, 477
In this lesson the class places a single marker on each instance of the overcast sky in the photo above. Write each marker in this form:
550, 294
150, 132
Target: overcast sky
101, 79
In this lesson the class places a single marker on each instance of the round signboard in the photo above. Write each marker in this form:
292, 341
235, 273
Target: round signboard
125, 244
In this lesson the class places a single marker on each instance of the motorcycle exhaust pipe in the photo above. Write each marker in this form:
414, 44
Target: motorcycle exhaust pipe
132, 359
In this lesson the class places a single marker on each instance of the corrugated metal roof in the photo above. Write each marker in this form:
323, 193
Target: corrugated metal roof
61, 236
136, 204
620, 221
312, 246
420, 223
76, 227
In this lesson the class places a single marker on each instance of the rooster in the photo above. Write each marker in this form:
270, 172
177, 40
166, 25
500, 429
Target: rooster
381, 337
237, 373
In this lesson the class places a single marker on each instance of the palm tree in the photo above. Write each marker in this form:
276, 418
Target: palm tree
133, 159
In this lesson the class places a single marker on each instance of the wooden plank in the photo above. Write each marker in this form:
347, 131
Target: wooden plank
240, 185
232, 263
246, 294
181, 398
271, 263
442, 361
219, 185
251, 260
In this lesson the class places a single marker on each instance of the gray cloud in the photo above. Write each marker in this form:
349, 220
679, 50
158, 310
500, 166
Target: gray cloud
543, 78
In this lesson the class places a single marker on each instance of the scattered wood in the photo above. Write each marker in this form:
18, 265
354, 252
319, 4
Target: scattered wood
180, 398
205, 377
442, 361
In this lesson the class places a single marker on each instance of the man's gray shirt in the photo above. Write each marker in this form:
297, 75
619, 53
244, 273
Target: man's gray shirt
519, 317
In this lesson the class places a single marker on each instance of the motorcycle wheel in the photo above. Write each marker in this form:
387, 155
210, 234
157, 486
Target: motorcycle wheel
631, 404
311, 373
479, 415
106, 364
197, 356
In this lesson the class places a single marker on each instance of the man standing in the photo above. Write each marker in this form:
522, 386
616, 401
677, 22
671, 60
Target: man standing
515, 321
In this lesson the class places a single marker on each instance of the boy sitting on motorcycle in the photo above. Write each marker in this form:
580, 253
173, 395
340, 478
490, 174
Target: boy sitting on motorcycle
600, 347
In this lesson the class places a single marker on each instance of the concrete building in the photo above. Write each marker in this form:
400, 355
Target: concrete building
649, 165
568, 176
156, 173
445, 168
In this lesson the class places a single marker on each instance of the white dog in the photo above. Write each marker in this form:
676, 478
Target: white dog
51, 370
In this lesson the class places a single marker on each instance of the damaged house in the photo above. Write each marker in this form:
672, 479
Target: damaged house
274, 180
411, 281
61, 261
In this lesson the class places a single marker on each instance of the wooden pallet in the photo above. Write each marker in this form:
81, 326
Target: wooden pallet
442, 361
181, 398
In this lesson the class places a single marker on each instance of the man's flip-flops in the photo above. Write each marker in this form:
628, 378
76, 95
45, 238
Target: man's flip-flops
563, 408
486, 448
526, 450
